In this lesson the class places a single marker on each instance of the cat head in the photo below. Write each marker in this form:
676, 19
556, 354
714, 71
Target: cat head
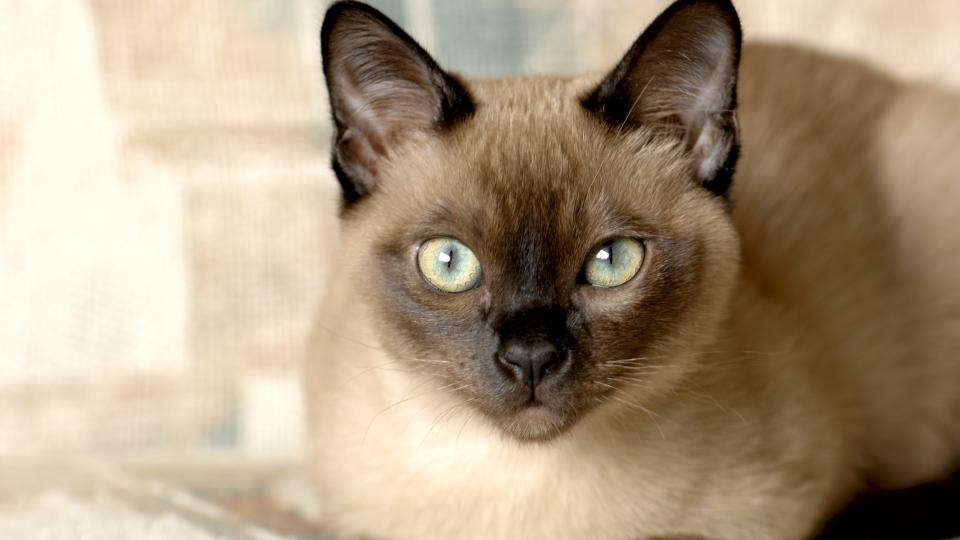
544, 246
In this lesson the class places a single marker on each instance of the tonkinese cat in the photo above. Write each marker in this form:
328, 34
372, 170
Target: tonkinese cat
712, 293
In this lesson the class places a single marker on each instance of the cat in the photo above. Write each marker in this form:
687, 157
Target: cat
711, 293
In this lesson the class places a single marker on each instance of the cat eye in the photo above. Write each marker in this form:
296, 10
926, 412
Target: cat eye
448, 265
614, 262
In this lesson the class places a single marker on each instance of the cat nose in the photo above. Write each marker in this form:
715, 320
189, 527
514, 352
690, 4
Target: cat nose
530, 363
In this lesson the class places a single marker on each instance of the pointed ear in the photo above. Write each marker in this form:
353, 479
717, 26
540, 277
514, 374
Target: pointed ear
382, 87
680, 78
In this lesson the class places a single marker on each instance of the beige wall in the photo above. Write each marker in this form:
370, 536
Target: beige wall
912, 39
166, 212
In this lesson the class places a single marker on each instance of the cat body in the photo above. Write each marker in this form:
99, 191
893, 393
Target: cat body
794, 339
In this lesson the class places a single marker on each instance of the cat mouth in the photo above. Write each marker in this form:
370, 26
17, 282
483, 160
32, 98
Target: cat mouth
536, 421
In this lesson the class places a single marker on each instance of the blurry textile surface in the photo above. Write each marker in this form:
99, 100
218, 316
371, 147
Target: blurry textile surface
166, 212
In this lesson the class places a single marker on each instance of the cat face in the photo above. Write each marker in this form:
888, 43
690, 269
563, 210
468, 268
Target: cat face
541, 246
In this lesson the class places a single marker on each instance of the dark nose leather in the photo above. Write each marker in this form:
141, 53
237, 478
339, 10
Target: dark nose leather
530, 363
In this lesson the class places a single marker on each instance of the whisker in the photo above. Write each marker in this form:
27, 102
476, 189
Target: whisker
406, 398
443, 417
473, 413
348, 339
652, 415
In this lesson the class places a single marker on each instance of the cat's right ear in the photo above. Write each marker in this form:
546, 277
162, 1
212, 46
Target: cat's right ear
383, 86
680, 77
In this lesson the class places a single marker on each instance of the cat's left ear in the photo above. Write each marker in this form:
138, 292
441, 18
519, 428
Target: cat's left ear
383, 87
680, 78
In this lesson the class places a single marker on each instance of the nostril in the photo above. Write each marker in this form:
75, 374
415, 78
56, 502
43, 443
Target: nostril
541, 364
530, 363
515, 366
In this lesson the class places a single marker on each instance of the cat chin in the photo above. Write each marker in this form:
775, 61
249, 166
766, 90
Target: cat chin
537, 423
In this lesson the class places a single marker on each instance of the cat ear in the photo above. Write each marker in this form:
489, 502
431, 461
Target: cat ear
383, 86
680, 77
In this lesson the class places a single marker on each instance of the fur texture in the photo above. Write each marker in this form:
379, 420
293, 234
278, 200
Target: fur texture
770, 359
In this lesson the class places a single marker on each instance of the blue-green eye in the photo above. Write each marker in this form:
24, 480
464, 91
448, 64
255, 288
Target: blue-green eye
614, 263
448, 265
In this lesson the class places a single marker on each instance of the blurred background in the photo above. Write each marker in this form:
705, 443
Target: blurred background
167, 213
